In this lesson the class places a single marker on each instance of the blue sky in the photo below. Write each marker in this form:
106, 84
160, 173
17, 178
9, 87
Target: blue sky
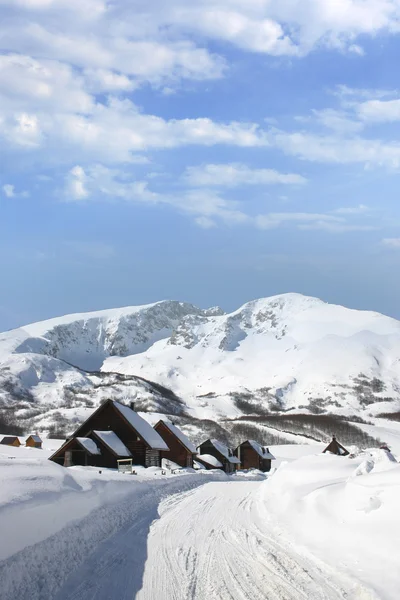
211, 152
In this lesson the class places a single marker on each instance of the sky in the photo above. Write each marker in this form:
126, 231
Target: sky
213, 152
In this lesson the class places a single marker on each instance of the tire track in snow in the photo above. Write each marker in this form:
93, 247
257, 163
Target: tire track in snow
218, 543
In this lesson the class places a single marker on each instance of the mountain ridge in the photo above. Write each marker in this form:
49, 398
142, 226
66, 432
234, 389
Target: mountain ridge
284, 353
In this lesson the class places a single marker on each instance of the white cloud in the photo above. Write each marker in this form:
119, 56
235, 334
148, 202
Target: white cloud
356, 49
100, 80
348, 94
235, 174
98, 183
205, 206
205, 222
8, 190
337, 149
338, 121
144, 60
67, 71
114, 132
352, 210
27, 84
273, 220
75, 188
336, 23
392, 242
379, 111
255, 32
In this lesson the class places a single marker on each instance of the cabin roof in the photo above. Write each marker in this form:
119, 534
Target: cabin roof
88, 444
223, 450
143, 428
210, 460
180, 435
8, 439
262, 451
112, 441
336, 448
35, 438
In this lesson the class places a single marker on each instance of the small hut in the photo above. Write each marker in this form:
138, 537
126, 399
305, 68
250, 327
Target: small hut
10, 440
181, 449
221, 452
254, 456
335, 448
33, 441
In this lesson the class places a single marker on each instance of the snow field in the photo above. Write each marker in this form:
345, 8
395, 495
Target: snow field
345, 512
319, 527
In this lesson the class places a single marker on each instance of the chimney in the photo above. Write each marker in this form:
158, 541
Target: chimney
132, 405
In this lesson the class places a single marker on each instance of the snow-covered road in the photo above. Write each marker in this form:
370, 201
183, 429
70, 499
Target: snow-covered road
215, 542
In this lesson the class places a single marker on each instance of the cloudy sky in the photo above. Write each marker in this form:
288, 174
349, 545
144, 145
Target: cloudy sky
211, 151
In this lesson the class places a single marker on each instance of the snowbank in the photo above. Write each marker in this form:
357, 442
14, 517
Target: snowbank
345, 511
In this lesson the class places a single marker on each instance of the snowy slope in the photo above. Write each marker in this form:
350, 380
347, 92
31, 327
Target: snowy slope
279, 353
287, 351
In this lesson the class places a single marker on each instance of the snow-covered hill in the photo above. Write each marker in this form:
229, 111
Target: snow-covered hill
274, 354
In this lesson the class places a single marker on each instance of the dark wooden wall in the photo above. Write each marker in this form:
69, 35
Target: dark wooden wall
177, 452
109, 419
250, 459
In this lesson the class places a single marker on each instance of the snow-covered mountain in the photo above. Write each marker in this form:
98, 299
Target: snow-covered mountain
271, 355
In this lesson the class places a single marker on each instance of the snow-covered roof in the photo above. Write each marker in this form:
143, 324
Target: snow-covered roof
35, 438
210, 460
262, 451
198, 465
180, 435
112, 441
224, 450
89, 445
145, 431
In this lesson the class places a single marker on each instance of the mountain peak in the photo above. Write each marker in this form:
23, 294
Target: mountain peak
286, 351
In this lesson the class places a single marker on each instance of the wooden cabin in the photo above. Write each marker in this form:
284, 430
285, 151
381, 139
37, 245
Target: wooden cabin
335, 448
33, 441
221, 452
181, 450
117, 431
254, 456
10, 440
